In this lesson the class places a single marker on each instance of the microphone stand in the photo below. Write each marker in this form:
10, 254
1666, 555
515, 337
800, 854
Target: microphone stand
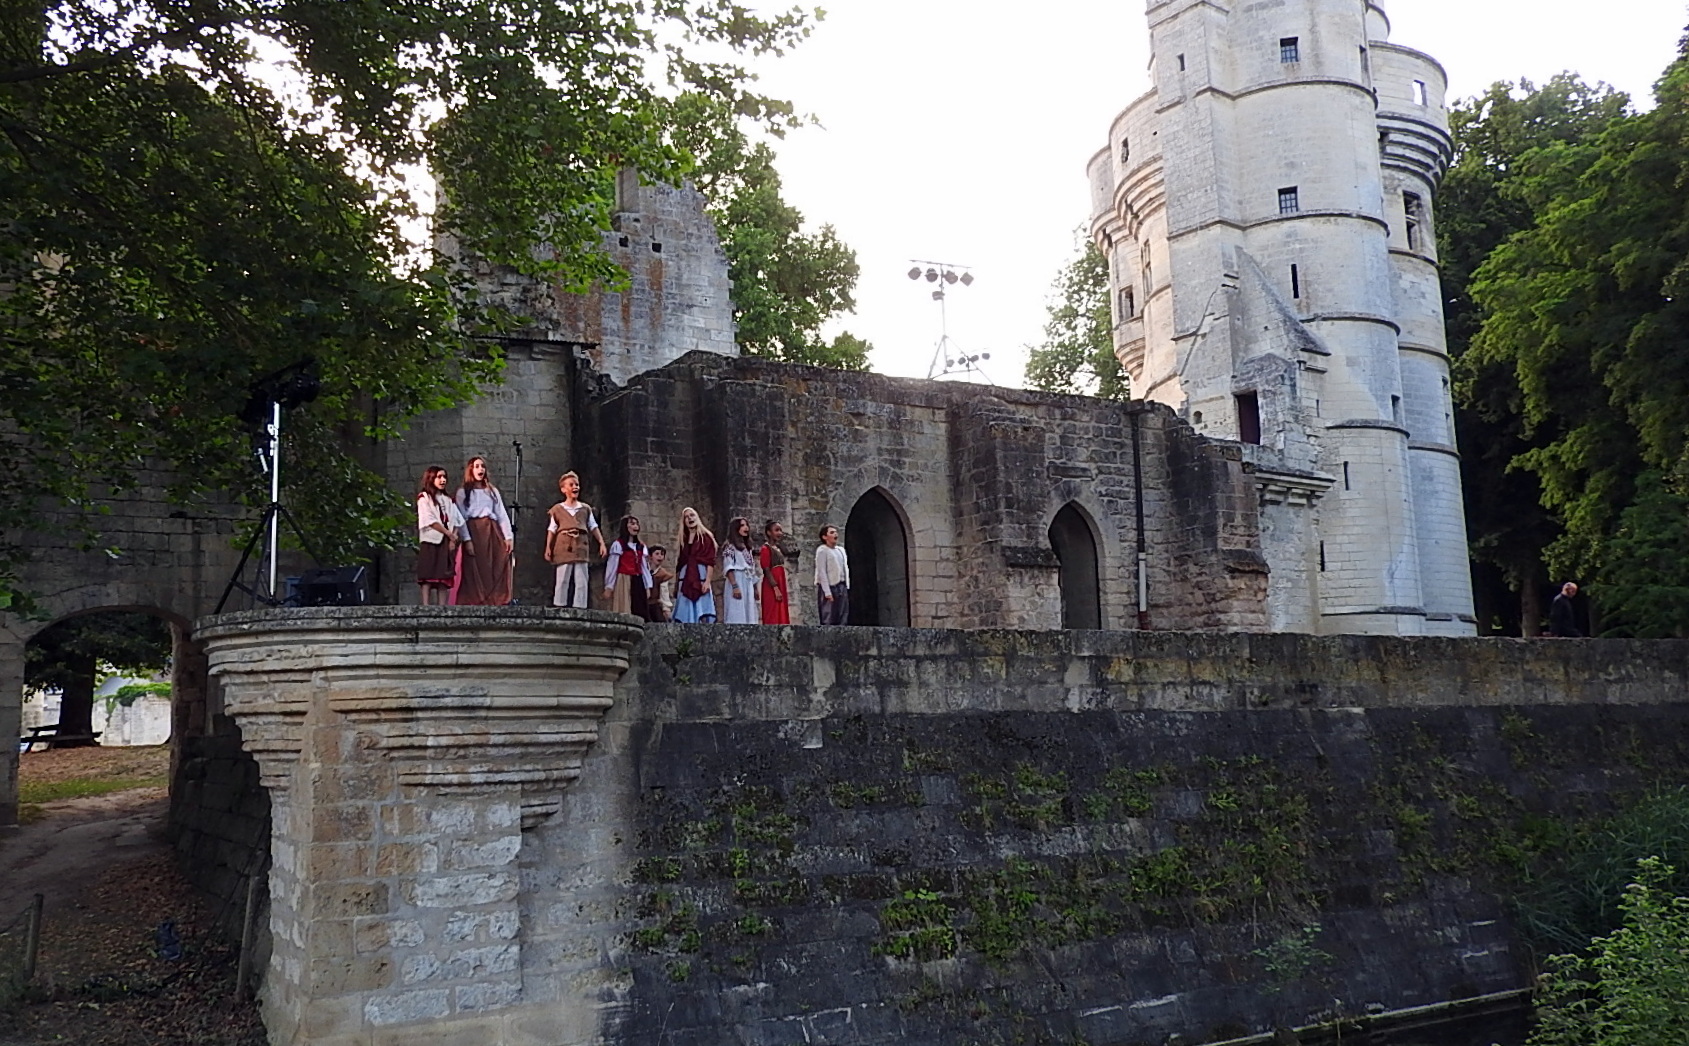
516, 506
515, 513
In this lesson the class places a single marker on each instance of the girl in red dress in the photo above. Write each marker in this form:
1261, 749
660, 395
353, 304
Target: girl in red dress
776, 595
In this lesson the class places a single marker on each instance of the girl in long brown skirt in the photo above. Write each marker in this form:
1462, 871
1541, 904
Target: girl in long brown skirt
485, 564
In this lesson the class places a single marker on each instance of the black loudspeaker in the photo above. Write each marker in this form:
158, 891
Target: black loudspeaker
334, 587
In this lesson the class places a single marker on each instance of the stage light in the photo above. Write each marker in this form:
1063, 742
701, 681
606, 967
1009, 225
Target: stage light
932, 274
915, 273
967, 278
949, 276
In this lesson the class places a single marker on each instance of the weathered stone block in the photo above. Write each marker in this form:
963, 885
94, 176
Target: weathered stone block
408, 1007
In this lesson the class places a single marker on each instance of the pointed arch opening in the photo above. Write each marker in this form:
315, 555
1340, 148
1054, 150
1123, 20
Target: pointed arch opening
877, 542
1074, 541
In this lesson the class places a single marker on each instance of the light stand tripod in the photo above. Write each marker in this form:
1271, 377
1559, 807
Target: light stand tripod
291, 386
269, 526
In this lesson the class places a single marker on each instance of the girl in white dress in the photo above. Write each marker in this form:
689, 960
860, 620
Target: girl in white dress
738, 566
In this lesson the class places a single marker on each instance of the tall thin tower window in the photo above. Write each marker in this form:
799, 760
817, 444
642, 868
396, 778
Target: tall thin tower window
1289, 49
1419, 92
1413, 212
1288, 200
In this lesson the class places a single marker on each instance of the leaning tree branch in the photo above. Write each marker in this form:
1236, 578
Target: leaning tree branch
177, 37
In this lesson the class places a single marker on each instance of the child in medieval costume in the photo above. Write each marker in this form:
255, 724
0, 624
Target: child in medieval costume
832, 580
566, 543
738, 568
440, 527
486, 560
660, 606
627, 576
776, 607
695, 562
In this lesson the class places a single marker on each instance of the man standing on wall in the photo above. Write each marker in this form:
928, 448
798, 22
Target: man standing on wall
832, 580
1561, 621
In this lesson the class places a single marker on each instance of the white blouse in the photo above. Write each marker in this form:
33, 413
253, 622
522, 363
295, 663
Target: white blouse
485, 503
832, 566
437, 508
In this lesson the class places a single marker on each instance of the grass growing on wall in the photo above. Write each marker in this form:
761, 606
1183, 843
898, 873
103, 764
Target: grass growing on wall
1065, 849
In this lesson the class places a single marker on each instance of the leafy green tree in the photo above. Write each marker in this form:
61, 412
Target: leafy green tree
1646, 585
183, 218
1484, 199
69, 656
1632, 986
1078, 350
1588, 309
786, 283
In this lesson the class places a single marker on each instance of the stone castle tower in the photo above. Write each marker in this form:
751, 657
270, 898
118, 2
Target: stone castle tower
1266, 210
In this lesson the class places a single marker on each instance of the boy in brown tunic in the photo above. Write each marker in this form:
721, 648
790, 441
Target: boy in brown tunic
566, 545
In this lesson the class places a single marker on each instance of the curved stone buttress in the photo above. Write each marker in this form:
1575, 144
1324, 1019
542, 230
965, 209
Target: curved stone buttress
405, 749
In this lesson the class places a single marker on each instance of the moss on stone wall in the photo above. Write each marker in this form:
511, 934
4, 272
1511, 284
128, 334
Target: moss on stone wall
1270, 853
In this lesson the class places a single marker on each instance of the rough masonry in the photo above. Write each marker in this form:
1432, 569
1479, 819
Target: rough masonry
865, 836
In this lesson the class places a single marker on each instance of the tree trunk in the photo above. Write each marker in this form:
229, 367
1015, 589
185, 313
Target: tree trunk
1530, 606
76, 705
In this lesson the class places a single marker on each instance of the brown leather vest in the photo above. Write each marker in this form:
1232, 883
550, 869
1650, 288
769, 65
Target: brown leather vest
568, 543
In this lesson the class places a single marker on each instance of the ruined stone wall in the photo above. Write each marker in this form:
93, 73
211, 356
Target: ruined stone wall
885, 836
975, 474
220, 826
677, 298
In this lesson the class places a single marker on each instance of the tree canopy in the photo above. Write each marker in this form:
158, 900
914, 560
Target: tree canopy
1077, 354
1586, 312
1483, 200
786, 283
201, 193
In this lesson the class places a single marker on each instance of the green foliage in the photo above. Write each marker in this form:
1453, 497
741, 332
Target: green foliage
786, 283
1293, 957
1486, 197
180, 221
129, 693
918, 927
1576, 890
1645, 585
1078, 350
1587, 311
1631, 987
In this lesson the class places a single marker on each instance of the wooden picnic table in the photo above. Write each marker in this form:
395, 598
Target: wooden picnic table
48, 734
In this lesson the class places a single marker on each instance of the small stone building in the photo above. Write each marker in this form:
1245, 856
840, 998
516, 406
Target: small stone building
961, 506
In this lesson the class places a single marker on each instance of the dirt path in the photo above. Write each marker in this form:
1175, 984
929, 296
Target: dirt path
109, 880
63, 853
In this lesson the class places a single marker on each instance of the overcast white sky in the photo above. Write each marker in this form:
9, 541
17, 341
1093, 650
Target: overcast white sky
959, 132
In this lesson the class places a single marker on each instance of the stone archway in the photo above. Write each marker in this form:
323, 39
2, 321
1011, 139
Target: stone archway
66, 664
877, 542
1074, 540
